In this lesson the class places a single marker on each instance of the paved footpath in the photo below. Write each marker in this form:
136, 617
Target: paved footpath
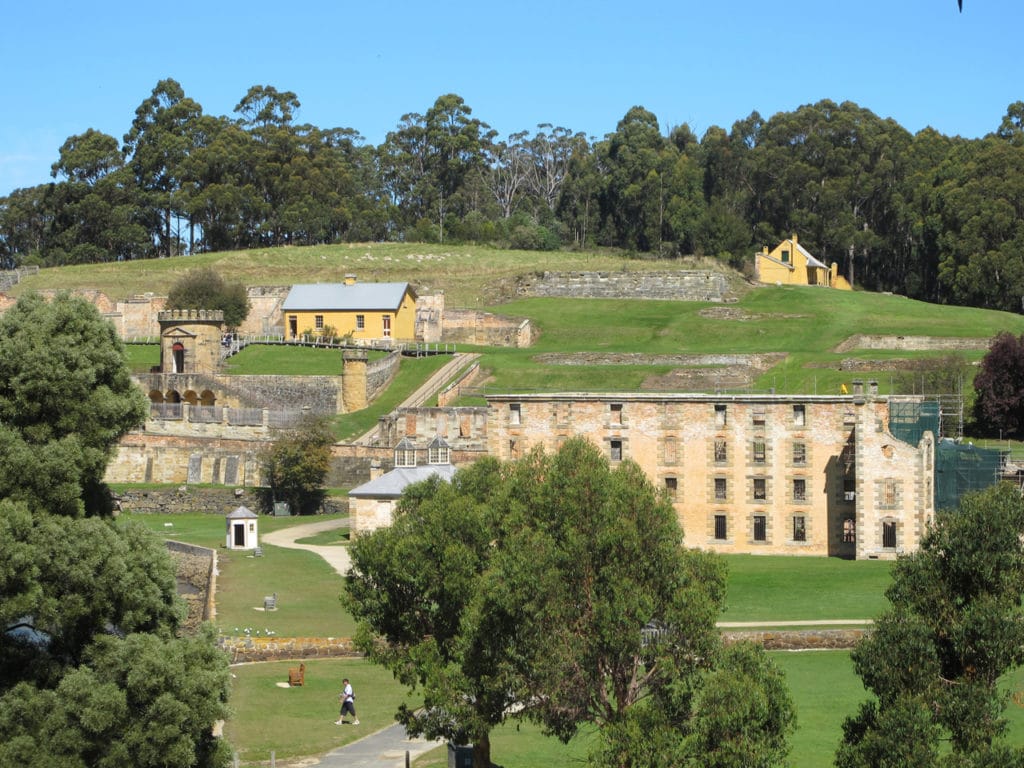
385, 748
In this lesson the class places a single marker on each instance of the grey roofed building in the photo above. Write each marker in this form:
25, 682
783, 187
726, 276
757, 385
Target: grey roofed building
345, 297
391, 484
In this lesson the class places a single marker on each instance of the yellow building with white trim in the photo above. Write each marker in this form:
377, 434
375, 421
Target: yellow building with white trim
789, 263
364, 311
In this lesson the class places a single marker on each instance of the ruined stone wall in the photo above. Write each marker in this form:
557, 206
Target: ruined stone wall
467, 326
688, 285
463, 428
150, 458
429, 317
320, 394
266, 316
772, 467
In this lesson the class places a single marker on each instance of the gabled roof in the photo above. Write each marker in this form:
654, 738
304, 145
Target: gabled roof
346, 298
811, 261
391, 484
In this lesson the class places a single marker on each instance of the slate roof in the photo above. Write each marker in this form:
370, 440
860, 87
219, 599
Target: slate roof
345, 298
242, 513
391, 484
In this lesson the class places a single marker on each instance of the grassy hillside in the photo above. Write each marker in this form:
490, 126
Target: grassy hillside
583, 344
470, 276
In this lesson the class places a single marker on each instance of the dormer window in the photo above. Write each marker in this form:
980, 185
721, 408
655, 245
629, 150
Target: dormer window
439, 452
405, 454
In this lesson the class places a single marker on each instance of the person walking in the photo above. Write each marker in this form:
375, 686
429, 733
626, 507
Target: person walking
348, 703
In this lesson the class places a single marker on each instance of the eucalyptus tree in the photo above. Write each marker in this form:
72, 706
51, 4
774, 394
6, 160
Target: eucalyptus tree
430, 162
97, 206
156, 148
556, 588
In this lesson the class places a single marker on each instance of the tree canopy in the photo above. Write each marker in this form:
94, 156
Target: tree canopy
934, 659
556, 588
933, 217
93, 669
204, 288
65, 400
999, 387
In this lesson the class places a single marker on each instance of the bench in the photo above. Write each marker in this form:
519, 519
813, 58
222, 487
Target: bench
297, 675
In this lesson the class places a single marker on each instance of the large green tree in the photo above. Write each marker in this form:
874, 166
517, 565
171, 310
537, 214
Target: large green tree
933, 661
93, 669
204, 288
556, 588
296, 464
65, 400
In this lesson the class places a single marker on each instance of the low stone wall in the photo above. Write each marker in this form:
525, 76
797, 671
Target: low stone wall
470, 326
245, 649
798, 640
913, 343
681, 285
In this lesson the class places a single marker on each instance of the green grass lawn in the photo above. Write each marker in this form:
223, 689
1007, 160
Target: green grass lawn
142, 357
777, 588
298, 722
307, 588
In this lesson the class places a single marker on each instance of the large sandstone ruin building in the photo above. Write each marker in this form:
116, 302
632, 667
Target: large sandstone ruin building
769, 474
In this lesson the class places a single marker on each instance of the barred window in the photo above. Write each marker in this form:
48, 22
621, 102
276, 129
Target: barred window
721, 527
760, 528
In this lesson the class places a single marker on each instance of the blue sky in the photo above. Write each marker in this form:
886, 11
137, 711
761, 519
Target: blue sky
66, 67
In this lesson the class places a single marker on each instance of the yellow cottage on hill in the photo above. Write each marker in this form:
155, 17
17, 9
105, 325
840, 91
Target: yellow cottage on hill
367, 311
792, 264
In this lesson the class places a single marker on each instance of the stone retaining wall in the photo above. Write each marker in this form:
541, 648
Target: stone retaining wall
244, 649
913, 343
682, 285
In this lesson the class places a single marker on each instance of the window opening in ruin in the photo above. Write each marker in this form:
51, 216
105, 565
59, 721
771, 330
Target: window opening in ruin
799, 415
849, 530
889, 492
721, 527
799, 489
759, 416
721, 452
759, 452
888, 535
720, 488
799, 453
799, 528
616, 450
720, 418
616, 413
515, 414
760, 528
672, 486
760, 489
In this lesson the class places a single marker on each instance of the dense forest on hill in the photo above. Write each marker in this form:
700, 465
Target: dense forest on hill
930, 216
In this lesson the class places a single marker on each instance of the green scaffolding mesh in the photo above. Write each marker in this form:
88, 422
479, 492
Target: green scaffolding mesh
959, 467
962, 467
